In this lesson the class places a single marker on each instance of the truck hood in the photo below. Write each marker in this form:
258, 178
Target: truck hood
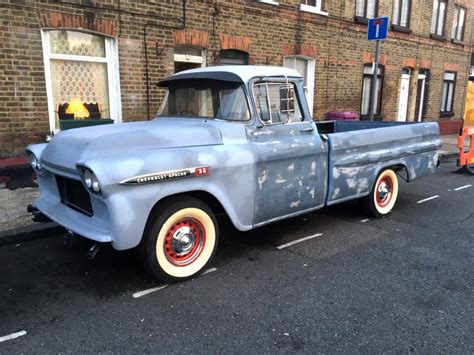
75, 145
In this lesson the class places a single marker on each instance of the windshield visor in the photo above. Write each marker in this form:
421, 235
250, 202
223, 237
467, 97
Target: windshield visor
206, 98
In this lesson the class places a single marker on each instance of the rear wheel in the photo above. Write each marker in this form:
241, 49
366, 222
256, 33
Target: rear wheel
181, 240
383, 196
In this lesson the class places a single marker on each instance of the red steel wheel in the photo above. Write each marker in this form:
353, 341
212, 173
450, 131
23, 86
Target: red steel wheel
384, 191
184, 241
383, 196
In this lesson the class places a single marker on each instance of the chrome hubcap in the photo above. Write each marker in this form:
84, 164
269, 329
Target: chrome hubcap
383, 191
183, 240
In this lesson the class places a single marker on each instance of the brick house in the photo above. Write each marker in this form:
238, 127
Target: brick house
63, 61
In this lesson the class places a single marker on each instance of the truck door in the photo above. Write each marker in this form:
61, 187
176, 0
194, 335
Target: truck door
290, 157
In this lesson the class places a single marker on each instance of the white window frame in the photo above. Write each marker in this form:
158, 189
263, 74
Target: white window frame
310, 75
269, 2
314, 9
113, 75
188, 58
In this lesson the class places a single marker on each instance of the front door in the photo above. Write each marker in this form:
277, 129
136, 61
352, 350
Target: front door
290, 157
403, 102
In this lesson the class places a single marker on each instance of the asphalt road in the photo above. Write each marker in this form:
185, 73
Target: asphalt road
401, 284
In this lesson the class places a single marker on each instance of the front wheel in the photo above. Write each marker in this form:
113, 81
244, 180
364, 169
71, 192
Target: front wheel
181, 241
383, 196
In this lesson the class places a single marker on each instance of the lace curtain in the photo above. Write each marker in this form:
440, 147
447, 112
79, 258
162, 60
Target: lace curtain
85, 80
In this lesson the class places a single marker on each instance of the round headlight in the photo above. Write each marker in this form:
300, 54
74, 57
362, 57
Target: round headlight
35, 164
95, 186
88, 178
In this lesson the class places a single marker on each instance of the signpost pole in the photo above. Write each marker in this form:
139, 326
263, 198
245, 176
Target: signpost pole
373, 91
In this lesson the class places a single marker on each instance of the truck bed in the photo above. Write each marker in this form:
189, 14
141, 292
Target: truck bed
359, 150
328, 127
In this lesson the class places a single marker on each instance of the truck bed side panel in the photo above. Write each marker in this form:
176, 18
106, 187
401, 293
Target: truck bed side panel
357, 157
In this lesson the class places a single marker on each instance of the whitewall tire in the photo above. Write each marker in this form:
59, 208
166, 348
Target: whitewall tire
383, 196
181, 241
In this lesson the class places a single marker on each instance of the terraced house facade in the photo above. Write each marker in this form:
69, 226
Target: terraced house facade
67, 63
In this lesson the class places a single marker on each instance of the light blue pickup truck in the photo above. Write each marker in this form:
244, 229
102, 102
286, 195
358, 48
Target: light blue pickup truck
232, 139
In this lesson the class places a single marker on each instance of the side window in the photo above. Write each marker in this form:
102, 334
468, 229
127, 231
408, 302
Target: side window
277, 102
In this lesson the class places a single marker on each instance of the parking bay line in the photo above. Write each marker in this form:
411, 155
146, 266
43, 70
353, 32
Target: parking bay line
208, 271
12, 336
462, 187
154, 289
146, 292
286, 245
428, 199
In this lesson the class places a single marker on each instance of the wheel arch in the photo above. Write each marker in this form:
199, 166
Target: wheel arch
206, 197
399, 168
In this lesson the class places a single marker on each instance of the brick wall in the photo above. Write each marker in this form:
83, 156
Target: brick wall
266, 32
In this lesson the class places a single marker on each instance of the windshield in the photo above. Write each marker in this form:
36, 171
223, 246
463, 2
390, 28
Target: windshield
206, 98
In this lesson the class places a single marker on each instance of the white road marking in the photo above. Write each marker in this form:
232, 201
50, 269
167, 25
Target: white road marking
286, 245
462, 187
428, 199
208, 271
154, 289
365, 220
12, 336
150, 290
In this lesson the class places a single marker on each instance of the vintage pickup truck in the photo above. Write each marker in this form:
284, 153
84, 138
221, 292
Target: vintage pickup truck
238, 140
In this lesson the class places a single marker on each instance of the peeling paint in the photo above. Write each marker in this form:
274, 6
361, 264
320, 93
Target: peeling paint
295, 204
262, 179
280, 180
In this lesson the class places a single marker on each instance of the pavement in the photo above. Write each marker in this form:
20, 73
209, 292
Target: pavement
16, 224
400, 284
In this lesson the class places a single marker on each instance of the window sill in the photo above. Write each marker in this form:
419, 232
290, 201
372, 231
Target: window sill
398, 28
446, 114
313, 10
438, 37
359, 19
269, 2
456, 41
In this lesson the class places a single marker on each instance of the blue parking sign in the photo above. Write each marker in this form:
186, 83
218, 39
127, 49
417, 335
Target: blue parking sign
377, 29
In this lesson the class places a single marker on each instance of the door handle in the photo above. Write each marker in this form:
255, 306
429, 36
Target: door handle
310, 129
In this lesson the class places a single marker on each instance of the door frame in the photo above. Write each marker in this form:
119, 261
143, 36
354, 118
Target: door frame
421, 100
405, 76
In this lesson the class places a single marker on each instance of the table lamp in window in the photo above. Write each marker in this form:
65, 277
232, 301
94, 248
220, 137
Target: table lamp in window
77, 108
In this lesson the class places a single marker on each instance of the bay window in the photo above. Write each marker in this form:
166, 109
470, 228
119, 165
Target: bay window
82, 80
